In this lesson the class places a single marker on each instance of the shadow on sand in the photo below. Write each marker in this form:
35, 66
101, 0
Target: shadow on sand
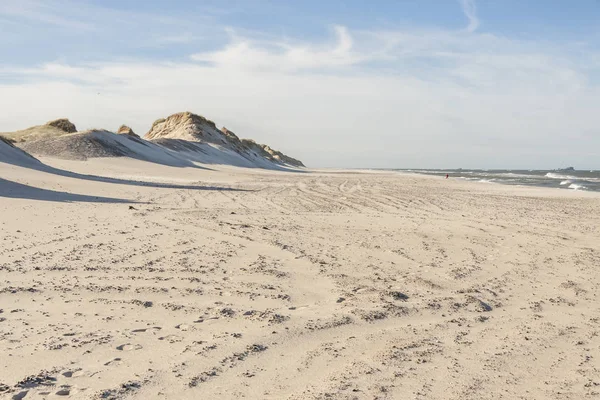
39, 166
14, 190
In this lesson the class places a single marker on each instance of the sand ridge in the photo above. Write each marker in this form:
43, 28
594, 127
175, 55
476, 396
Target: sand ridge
276, 285
181, 140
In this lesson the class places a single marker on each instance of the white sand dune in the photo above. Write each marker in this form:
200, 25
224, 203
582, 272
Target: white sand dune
228, 283
170, 152
180, 140
99, 143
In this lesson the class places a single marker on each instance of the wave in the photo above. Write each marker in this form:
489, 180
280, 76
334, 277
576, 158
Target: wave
567, 179
575, 186
559, 176
571, 180
514, 175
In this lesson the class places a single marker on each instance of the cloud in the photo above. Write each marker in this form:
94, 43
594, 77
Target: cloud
379, 98
470, 10
279, 55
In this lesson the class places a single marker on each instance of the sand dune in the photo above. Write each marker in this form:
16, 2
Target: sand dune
10, 154
277, 285
180, 140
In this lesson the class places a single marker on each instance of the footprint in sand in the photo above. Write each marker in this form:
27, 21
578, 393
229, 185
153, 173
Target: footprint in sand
206, 320
115, 361
297, 308
20, 395
154, 328
171, 338
129, 347
66, 391
72, 373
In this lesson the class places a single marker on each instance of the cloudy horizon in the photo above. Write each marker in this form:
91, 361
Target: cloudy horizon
404, 85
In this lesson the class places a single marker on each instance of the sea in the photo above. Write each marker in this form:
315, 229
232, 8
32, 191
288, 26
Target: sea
568, 179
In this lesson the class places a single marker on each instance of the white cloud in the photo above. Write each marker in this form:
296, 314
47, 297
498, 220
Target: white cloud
277, 55
470, 10
365, 98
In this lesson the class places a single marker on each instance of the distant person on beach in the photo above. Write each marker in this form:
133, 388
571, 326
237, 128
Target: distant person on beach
446, 176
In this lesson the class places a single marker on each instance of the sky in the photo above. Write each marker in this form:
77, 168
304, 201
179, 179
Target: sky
352, 84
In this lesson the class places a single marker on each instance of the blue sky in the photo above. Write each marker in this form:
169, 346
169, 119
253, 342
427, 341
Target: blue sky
405, 83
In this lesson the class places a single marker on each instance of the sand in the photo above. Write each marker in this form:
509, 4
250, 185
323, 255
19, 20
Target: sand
237, 283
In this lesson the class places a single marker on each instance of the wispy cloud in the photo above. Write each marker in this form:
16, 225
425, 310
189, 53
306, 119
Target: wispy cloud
470, 10
285, 55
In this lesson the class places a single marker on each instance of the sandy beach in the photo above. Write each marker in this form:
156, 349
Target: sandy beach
228, 283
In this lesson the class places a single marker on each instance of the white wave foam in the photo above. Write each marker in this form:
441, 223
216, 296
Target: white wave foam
513, 175
567, 182
558, 176
575, 186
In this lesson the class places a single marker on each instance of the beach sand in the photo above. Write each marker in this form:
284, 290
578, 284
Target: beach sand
272, 285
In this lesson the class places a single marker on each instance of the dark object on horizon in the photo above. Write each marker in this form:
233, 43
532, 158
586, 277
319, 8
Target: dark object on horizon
566, 169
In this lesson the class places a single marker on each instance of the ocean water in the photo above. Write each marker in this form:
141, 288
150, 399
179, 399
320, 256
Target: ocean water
560, 179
